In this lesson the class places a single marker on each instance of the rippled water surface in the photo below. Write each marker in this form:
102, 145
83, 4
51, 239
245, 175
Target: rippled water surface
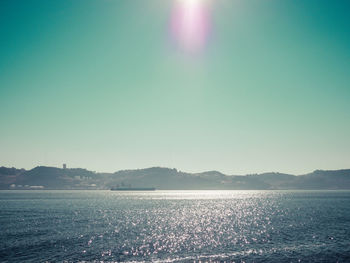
175, 226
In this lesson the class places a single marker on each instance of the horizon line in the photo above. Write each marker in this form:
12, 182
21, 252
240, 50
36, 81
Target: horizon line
178, 170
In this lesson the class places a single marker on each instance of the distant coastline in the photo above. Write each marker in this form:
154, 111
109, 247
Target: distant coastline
159, 178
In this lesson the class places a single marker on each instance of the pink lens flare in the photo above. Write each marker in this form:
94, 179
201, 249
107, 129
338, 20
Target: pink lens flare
190, 24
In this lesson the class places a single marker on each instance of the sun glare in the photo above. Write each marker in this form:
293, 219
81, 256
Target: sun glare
190, 24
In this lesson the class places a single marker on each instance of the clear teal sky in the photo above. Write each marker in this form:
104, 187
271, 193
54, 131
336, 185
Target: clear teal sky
105, 85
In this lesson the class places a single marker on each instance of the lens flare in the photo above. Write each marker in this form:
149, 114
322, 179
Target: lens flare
190, 24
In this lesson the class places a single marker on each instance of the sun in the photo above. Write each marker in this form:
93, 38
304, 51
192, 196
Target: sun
191, 3
190, 24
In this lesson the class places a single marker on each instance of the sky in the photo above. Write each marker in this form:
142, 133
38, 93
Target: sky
239, 86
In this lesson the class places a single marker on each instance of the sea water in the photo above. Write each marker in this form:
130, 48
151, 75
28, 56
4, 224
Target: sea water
175, 226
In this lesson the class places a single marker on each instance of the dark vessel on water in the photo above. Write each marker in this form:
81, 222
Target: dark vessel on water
133, 189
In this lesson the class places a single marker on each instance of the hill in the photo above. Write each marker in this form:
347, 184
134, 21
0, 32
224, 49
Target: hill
43, 177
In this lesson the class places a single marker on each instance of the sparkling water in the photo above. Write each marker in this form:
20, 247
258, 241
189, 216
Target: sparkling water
175, 226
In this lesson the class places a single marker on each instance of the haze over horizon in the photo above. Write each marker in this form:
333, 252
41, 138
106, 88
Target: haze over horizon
170, 168
235, 86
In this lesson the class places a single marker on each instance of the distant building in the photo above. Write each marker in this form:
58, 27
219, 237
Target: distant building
64, 166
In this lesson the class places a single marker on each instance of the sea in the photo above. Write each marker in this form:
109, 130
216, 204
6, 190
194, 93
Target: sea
174, 226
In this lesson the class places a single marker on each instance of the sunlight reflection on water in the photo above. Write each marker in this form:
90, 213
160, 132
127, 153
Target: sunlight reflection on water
174, 225
195, 195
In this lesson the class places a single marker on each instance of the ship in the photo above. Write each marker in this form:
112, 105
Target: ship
133, 189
